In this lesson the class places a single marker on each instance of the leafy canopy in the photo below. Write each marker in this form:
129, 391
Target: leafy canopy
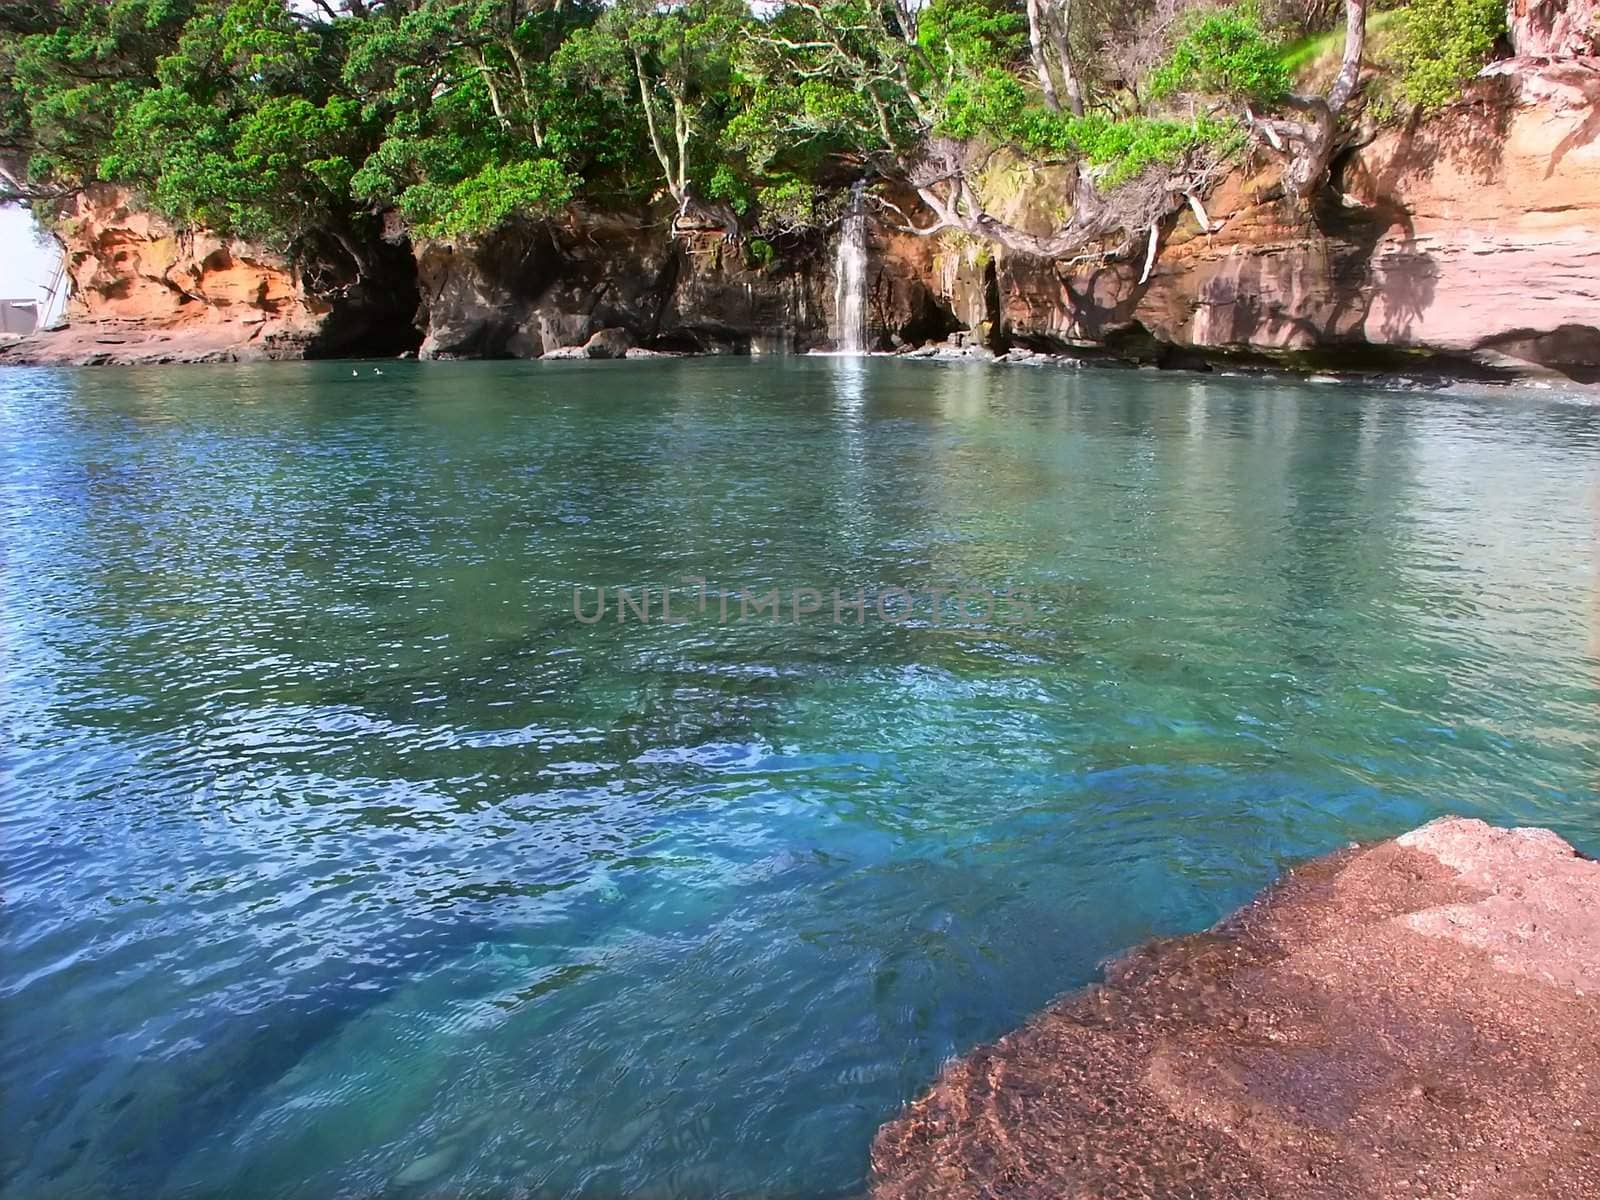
283, 122
1224, 52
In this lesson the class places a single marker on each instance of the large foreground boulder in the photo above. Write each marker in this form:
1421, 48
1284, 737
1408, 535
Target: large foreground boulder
1419, 1018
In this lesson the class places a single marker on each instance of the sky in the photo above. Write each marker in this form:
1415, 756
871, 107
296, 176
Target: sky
25, 265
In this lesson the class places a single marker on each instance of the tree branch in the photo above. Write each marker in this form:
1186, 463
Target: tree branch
1307, 146
1150, 253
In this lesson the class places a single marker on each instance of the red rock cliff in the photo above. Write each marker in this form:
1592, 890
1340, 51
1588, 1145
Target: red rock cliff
1471, 240
144, 292
1475, 237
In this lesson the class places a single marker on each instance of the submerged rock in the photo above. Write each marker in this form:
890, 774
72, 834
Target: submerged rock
1416, 1018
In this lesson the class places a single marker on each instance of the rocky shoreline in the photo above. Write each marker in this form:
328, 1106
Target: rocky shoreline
120, 346
115, 344
1416, 1018
1466, 246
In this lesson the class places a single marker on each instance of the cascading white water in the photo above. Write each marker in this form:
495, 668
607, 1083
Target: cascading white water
850, 278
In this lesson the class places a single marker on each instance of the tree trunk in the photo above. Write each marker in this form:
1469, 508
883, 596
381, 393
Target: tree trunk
1355, 42
1306, 145
494, 92
654, 129
1059, 26
1041, 64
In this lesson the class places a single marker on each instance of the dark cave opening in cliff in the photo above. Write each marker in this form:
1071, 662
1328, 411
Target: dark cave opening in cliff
376, 315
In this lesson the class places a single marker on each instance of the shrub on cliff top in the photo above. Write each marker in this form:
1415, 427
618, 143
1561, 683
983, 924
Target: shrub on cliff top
1224, 53
997, 108
1442, 44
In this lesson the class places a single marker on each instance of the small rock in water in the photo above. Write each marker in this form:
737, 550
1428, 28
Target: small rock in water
609, 343
425, 1169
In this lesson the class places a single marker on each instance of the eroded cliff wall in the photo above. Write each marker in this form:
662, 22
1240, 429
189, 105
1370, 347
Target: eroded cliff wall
144, 292
1470, 242
530, 291
1473, 239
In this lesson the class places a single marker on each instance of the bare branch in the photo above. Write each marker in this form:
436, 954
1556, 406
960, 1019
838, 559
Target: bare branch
1150, 253
1355, 40
1308, 145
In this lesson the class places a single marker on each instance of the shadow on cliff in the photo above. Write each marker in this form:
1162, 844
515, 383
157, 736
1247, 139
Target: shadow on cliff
1372, 275
1380, 280
1347, 280
373, 313
527, 290
1587, 84
1575, 347
474, 299
1404, 279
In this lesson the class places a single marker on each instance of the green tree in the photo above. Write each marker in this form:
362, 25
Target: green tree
297, 123
1224, 52
478, 125
1441, 46
675, 62
71, 68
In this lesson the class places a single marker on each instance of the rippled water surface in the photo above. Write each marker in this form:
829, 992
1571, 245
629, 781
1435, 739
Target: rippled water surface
340, 859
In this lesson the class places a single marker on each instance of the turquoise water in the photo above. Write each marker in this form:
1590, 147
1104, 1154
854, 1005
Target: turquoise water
341, 859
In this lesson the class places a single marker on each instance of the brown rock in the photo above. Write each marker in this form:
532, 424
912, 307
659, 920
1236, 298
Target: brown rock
1416, 1018
1473, 239
538, 290
157, 294
609, 343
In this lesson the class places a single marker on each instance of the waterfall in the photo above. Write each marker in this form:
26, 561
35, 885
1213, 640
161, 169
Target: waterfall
850, 278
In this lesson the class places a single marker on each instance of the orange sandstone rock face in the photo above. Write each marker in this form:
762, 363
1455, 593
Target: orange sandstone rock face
129, 265
1419, 1018
143, 292
1475, 236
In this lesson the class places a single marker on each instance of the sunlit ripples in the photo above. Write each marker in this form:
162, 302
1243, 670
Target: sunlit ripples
340, 859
